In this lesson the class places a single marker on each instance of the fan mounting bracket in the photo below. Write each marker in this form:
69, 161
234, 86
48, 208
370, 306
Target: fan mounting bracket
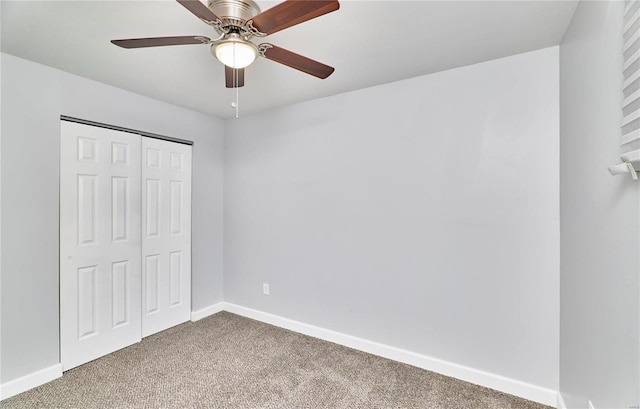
217, 24
204, 40
252, 30
233, 15
262, 48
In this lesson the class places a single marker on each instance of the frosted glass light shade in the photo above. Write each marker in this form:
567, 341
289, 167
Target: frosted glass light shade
236, 53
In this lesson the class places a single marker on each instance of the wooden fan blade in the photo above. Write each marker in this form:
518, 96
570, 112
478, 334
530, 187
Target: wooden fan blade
292, 12
293, 60
160, 41
234, 78
199, 10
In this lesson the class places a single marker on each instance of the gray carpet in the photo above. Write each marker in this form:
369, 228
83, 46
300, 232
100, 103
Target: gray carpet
227, 361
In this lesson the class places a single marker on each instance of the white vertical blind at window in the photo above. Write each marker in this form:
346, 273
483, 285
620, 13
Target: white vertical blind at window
631, 75
630, 143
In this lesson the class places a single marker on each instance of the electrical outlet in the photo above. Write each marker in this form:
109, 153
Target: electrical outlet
591, 405
265, 288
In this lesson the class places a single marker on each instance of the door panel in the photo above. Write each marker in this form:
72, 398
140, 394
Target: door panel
152, 208
119, 207
87, 301
120, 280
151, 284
175, 204
100, 272
176, 273
166, 243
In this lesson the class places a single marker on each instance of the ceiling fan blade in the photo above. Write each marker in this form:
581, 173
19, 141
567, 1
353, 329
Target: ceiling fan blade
200, 10
234, 77
292, 12
293, 60
160, 41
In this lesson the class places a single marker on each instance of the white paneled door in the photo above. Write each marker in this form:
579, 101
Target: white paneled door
166, 234
100, 275
125, 239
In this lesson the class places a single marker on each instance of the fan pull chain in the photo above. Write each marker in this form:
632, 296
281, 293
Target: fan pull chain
235, 103
237, 95
236, 82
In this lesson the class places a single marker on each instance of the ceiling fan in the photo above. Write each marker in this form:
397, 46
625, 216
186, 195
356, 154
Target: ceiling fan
237, 22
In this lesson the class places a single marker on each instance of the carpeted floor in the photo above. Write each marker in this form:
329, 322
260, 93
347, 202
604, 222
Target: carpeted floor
227, 361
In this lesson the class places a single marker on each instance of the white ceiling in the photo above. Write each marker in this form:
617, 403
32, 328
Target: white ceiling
368, 42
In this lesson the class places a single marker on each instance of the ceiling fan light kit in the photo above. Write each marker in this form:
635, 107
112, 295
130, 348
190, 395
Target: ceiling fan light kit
234, 51
237, 22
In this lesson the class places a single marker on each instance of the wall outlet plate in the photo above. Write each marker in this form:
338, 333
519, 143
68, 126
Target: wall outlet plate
265, 288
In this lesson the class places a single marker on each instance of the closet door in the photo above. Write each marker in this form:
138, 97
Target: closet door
166, 234
100, 278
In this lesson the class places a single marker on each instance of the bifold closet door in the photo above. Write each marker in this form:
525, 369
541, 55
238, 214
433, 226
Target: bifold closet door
100, 259
166, 234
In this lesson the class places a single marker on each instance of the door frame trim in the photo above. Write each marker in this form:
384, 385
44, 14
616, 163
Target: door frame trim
129, 130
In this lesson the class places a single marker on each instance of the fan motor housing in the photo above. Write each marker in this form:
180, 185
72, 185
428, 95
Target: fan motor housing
234, 12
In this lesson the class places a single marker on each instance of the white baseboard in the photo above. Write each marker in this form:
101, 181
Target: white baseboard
511, 386
38, 378
507, 385
561, 404
205, 312
32, 380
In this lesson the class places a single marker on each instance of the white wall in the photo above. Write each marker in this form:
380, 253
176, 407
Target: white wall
33, 98
421, 214
0, 216
600, 237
